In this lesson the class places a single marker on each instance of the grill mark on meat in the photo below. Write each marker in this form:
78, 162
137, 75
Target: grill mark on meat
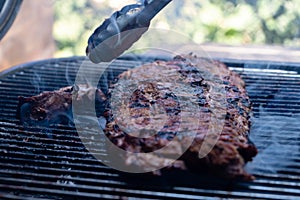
140, 104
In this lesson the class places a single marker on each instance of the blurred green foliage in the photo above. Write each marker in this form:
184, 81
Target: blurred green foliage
234, 22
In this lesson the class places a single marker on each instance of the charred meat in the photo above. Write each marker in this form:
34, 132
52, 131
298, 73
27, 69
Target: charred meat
161, 103
55, 107
158, 90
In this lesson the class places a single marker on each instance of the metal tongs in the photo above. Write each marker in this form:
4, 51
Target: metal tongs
118, 33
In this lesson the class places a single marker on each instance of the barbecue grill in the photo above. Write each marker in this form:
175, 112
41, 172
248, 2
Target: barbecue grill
52, 162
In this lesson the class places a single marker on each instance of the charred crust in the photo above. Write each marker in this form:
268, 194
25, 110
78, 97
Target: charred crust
233, 149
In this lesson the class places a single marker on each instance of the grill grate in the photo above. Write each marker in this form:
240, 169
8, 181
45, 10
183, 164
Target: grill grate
36, 164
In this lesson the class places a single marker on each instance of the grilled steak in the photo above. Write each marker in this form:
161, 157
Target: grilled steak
177, 106
158, 90
55, 107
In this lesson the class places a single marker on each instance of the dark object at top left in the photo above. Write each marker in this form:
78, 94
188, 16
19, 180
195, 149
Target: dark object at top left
8, 12
117, 33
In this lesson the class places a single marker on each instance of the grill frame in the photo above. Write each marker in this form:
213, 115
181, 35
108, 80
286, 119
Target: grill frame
92, 180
